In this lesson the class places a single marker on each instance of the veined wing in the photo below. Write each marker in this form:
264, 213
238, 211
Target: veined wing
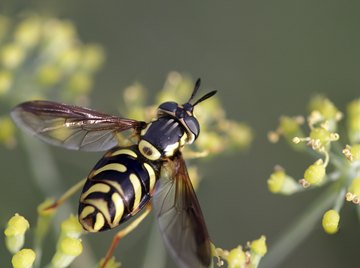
73, 127
180, 218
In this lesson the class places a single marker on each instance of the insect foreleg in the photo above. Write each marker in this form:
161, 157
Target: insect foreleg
66, 195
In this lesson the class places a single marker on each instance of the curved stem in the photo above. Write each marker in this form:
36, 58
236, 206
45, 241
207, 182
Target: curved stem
301, 228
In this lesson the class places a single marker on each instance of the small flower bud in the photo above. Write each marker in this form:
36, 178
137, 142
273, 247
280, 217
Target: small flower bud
12, 55
92, 57
353, 193
352, 153
258, 246
71, 227
79, 83
353, 121
7, 132
15, 233
280, 182
319, 137
6, 80
325, 107
315, 173
68, 250
48, 75
330, 221
236, 258
28, 31
23, 258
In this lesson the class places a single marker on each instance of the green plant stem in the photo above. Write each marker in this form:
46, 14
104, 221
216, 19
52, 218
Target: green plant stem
155, 255
47, 178
301, 228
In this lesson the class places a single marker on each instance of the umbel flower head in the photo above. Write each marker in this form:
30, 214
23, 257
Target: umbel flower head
337, 156
40, 58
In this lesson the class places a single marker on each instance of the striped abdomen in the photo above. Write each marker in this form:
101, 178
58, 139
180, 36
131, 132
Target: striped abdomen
120, 184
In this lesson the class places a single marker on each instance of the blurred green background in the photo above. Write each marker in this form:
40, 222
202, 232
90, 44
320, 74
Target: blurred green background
266, 59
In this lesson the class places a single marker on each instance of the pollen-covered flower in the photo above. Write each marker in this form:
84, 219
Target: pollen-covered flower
335, 163
330, 221
239, 257
23, 258
42, 57
15, 233
68, 249
280, 182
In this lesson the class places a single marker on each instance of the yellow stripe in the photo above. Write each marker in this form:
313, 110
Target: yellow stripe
113, 166
119, 208
86, 211
97, 187
99, 222
124, 151
137, 190
115, 185
101, 205
152, 175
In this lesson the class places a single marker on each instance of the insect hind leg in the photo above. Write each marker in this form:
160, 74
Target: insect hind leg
122, 233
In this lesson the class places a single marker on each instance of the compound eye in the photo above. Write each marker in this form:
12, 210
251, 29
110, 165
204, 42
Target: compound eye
168, 107
193, 125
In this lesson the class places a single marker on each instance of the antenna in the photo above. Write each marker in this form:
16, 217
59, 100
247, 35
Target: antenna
196, 88
206, 96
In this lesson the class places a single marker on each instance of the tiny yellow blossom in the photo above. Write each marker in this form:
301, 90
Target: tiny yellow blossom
12, 55
6, 80
281, 183
330, 221
92, 57
320, 135
353, 193
79, 83
69, 59
71, 227
23, 259
28, 31
236, 258
48, 75
352, 153
353, 121
7, 132
315, 173
326, 108
15, 232
67, 251
259, 246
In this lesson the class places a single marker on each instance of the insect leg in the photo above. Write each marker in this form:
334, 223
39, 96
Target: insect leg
123, 233
66, 195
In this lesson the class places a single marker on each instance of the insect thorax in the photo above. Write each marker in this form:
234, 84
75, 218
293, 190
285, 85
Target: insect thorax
162, 138
120, 184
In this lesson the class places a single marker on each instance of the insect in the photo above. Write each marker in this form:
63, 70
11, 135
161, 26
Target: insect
127, 177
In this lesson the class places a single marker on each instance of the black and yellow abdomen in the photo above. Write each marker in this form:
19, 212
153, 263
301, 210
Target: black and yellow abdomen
119, 185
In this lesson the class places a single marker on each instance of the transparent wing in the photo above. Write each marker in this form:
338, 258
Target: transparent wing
73, 127
180, 218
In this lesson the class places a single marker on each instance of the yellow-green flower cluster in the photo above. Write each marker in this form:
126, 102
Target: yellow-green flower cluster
42, 57
15, 239
240, 258
324, 143
69, 244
